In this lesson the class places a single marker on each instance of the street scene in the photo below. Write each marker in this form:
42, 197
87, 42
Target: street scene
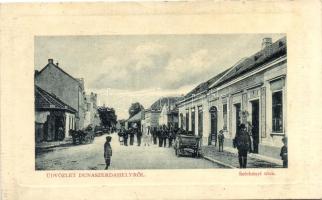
91, 157
160, 102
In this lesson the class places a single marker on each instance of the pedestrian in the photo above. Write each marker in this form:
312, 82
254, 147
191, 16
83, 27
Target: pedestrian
165, 135
160, 137
125, 137
120, 134
154, 135
108, 151
132, 133
242, 142
147, 138
221, 139
138, 136
61, 134
283, 153
252, 139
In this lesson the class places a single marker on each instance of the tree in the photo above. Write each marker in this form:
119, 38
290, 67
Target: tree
135, 108
107, 116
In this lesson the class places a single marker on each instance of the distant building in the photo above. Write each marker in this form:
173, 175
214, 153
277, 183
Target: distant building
70, 90
169, 116
152, 114
51, 113
136, 120
253, 92
91, 113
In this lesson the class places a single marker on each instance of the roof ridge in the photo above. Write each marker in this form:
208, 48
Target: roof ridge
75, 79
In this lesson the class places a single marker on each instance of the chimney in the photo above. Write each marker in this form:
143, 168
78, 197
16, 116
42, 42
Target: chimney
50, 61
266, 42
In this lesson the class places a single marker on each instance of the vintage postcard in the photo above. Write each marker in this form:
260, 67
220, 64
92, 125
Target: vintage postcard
179, 100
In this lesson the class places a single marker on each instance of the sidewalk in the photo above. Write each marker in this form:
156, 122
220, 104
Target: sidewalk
46, 145
229, 158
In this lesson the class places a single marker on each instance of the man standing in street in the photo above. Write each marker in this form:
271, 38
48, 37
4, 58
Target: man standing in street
221, 139
159, 133
125, 136
132, 136
107, 151
242, 141
138, 136
154, 135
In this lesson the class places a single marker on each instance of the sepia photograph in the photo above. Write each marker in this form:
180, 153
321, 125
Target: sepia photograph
161, 100
194, 101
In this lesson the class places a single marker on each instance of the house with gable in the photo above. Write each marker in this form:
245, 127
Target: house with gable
54, 80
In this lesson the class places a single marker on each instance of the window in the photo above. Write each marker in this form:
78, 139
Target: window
181, 120
200, 121
225, 116
277, 112
187, 121
193, 120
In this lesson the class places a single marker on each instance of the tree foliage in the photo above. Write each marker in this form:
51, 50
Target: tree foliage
135, 108
107, 116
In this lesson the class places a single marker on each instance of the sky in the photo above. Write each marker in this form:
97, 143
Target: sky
123, 69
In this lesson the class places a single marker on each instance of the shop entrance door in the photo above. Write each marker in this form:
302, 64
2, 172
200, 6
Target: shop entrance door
255, 124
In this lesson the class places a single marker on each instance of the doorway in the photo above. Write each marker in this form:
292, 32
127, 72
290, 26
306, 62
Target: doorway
255, 124
213, 125
236, 118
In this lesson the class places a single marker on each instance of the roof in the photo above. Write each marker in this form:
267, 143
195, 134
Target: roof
269, 53
157, 105
137, 117
205, 85
277, 49
47, 101
37, 73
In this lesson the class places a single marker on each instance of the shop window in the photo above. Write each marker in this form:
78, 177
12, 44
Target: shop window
225, 116
187, 121
193, 120
200, 121
277, 112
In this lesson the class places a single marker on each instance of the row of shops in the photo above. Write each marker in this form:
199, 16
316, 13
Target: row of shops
253, 92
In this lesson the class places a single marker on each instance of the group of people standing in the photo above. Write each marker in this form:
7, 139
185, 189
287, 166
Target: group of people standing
126, 137
164, 135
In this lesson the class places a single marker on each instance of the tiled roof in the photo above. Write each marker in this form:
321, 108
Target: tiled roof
157, 105
47, 101
274, 51
277, 49
205, 85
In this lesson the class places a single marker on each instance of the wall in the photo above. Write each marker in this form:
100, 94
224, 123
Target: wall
254, 87
65, 88
69, 123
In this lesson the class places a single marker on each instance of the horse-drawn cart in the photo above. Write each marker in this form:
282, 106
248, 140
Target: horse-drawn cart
187, 142
82, 136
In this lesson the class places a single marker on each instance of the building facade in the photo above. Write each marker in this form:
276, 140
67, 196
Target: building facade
70, 90
252, 92
53, 118
169, 116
